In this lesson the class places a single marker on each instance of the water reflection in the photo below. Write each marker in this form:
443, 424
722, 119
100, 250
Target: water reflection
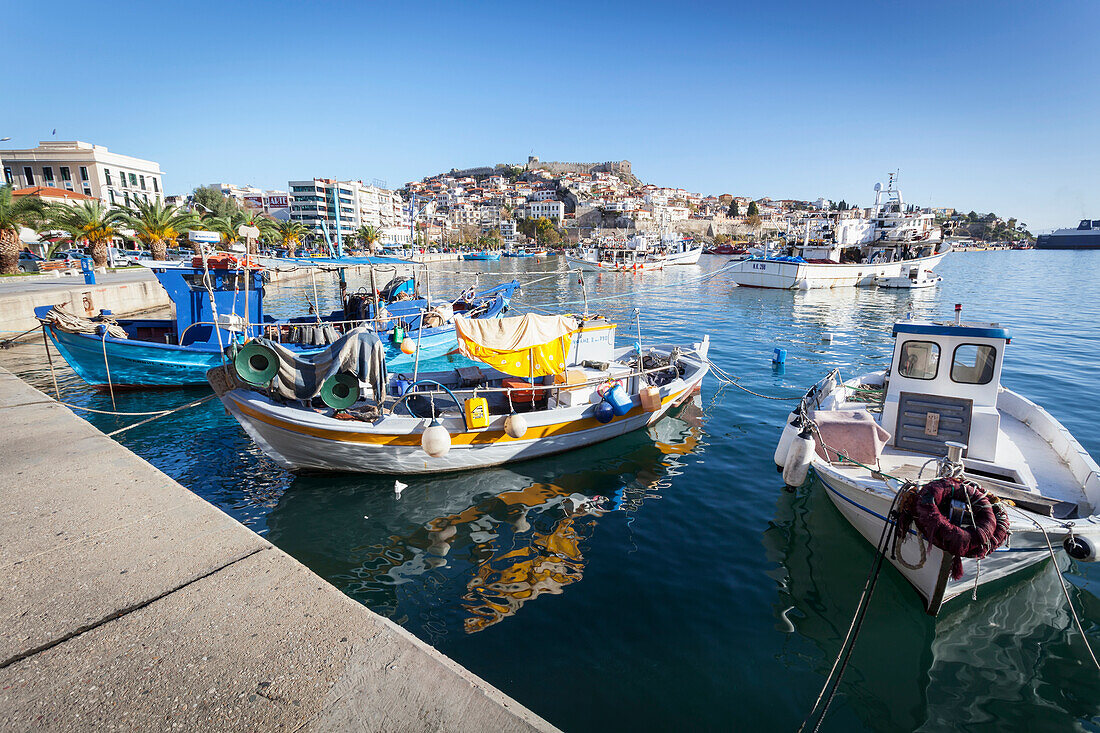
979, 664
470, 550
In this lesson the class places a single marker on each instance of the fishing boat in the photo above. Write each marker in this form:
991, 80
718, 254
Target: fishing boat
914, 278
835, 252
737, 248
959, 480
637, 254
220, 301
576, 389
479, 256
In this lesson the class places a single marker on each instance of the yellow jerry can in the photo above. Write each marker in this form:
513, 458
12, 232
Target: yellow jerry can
477, 412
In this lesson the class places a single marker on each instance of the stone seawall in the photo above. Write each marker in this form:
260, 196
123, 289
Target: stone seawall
128, 602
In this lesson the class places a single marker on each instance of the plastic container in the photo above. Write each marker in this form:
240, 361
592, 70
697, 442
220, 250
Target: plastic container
398, 335
651, 398
477, 412
618, 399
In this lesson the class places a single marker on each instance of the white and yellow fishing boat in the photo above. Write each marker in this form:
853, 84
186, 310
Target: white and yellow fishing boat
545, 384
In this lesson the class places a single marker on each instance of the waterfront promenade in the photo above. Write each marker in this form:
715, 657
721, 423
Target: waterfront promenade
129, 602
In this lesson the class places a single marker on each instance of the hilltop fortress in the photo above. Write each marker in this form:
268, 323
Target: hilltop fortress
620, 168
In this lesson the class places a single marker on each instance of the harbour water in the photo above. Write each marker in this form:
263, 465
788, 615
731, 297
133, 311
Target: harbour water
666, 579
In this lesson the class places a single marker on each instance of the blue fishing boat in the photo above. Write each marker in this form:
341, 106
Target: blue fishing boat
475, 256
178, 351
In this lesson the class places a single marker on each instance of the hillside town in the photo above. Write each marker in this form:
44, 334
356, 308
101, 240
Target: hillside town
548, 203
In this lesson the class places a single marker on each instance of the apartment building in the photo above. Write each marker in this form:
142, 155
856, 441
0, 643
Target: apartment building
552, 210
91, 170
321, 203
273, 202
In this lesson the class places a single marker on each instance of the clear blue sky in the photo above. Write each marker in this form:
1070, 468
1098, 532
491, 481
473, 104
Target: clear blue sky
985, 106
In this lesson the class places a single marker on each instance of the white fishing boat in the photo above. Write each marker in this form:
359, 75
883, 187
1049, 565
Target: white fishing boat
341, 411
637, 254
916, 277
958, 479
835, 252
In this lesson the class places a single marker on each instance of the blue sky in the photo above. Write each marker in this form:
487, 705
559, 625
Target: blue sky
985, 106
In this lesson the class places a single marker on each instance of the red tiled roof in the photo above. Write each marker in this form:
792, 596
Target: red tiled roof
51, 193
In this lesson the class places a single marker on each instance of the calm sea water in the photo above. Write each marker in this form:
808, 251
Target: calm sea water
665, 579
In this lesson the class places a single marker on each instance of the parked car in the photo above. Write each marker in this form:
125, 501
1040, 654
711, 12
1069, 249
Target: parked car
28, 261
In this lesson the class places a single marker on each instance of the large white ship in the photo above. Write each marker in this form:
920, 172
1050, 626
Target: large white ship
834, 252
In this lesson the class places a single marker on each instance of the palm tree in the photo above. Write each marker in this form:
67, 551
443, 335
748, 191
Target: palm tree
26, 211
90, 221
369, 235
289, 234
156, 223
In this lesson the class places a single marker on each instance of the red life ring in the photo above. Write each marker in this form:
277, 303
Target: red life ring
931, 511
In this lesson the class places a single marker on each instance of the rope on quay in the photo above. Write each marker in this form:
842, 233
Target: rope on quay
156, 414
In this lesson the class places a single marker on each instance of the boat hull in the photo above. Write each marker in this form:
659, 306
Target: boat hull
690, 257
590, 266
133, 363
767, 273
305, 440
866, 511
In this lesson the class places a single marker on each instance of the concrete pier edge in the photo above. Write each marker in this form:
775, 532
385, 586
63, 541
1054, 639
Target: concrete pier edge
127, 601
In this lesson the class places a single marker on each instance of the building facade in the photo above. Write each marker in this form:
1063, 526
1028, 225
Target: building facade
273, 202
84, 168
314, 203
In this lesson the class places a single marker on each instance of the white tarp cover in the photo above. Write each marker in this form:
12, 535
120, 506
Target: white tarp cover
528, 331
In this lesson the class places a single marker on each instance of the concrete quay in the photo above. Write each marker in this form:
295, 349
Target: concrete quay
128, 602
123, 291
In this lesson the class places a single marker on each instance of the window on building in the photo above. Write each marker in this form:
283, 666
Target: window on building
919, 360
28, 174
133, 180
83, 172
122, 178
973, 364
87, 192
111, 195
156, 187
65, 174
142, 182
126, 198
8, 177
106, 174
47, 175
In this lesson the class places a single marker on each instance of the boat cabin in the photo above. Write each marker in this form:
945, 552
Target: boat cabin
943, 386
190, 289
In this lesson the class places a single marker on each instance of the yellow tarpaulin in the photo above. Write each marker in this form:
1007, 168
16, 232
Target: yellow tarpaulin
523, 346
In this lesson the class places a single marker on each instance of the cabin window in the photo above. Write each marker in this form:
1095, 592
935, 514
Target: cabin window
973, 364
919, 360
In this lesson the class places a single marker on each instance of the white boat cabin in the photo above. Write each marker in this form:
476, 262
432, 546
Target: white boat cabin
943, 386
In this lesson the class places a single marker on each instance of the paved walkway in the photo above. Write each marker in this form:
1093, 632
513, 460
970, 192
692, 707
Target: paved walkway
127, 601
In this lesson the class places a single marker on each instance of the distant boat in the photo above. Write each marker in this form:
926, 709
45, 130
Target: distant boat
894, 238
1085, 236
477, 256
727, 249
914, 278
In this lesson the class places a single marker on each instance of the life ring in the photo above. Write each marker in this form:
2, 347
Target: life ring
929, 508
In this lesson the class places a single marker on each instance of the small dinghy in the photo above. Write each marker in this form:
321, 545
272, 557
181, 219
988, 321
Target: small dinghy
914, 278
545, 384
958, 480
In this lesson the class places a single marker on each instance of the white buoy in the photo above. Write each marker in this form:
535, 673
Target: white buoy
515, 425
801, 453
790, 430
435, 440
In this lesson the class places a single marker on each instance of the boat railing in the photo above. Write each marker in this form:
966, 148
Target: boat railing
554, 389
